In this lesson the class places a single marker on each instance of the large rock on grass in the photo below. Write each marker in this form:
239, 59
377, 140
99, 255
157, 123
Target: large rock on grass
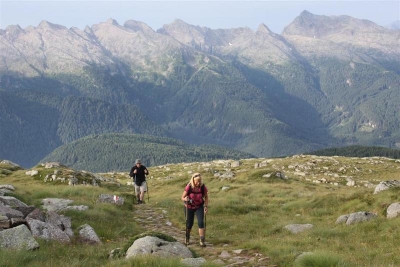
19, 238
152, 245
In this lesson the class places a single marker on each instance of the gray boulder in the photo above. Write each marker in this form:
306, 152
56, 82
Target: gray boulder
356, 217
36, 214
12, 202
361, 216
9, 212
25, 210
342, 219
156, 246
19, 238
88, 235
393, 210
385, 185
60, 221
7, 186
47, 231
4, 191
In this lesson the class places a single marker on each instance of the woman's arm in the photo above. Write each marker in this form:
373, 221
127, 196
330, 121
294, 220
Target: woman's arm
184, 196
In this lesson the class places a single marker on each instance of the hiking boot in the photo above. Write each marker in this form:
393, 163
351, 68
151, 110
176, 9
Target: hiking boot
202, 243
186, 241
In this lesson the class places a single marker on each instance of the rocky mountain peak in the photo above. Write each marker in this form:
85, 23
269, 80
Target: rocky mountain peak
112, 22
138, 26
13, 31
45, 25
185, 33
262, 28
319, 26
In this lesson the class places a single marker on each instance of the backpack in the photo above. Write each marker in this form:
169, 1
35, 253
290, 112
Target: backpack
201, 192
201, 188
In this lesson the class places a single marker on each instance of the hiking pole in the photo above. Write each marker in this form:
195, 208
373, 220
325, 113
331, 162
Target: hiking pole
205, 223
148, 194
186, 228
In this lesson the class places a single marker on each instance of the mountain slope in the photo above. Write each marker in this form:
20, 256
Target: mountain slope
33, 124
326, 81
117, 152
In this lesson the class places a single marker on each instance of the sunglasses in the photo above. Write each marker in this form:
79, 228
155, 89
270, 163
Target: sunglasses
197, 175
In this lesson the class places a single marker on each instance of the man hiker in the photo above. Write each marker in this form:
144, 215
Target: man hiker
195, 197
138, 173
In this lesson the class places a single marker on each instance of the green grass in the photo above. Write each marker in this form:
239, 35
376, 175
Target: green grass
250, 215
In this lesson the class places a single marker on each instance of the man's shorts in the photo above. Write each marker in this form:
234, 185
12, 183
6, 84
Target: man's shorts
142, 188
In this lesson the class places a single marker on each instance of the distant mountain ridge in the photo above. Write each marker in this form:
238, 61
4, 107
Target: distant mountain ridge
326, 81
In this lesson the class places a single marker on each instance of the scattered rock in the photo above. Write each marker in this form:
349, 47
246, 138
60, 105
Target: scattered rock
298, 228
88, 235
385, 185
113, 199
393, 210
356, 217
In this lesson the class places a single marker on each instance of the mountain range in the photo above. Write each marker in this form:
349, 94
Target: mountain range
325, 81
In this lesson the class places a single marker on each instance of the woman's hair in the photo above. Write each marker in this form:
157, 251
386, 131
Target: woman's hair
196, 176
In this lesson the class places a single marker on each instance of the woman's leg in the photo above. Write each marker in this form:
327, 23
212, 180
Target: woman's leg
200, 222
189, 215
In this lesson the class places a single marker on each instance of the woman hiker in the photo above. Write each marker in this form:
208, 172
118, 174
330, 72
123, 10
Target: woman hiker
195, 197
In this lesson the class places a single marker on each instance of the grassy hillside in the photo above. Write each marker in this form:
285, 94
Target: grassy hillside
251, 214
117, 152
358, 151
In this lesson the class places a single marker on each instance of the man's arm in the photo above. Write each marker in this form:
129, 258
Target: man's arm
131, 174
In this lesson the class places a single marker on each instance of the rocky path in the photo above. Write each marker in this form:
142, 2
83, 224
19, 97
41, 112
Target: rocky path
156, 219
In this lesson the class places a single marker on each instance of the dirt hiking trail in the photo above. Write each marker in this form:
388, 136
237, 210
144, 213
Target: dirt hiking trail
156, 220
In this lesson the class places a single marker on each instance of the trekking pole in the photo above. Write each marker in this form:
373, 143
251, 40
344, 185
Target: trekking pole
205, 222
148, 194
186, 228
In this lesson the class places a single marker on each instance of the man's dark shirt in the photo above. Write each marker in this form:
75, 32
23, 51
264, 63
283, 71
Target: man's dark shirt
139, 176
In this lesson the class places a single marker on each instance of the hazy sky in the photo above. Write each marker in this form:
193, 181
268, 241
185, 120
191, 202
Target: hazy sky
213, 14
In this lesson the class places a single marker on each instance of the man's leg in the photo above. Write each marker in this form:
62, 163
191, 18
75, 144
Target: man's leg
143, 189
137, 193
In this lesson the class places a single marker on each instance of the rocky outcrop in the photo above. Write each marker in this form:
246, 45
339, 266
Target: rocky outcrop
152, 245
385, 185
20, 223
